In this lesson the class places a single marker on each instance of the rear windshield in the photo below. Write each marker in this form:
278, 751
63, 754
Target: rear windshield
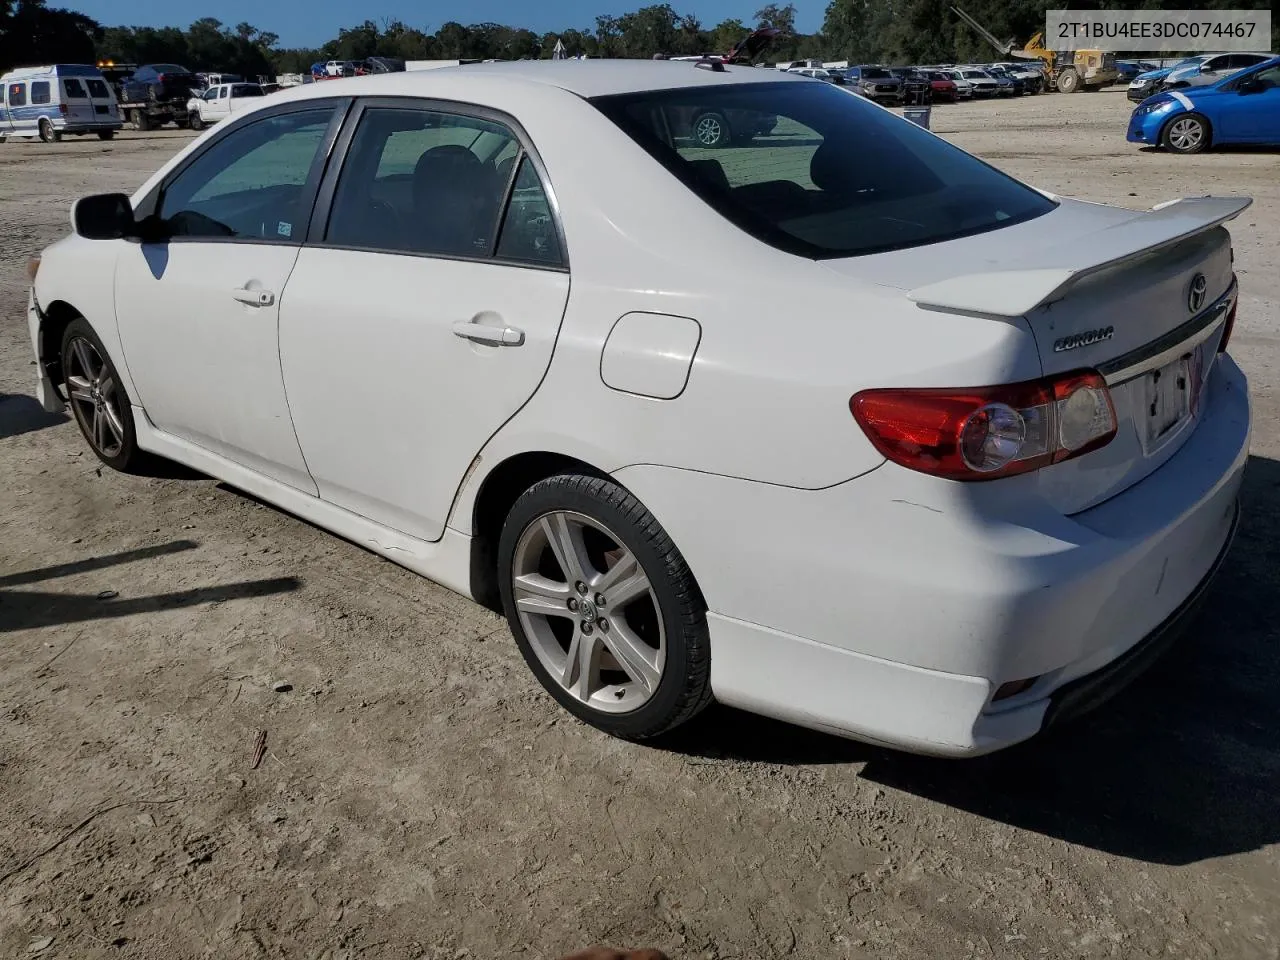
875, 73
246, 90
816, 172
98, 89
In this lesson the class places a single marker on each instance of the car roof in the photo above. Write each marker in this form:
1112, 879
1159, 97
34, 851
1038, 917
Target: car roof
585, 78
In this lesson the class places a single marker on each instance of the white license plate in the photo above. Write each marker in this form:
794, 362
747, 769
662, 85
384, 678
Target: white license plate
1171, 396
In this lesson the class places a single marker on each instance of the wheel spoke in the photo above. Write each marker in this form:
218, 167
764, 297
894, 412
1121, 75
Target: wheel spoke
99, 429
86, 360
582, 665
565, 540
79, 388
624, 582
113, 422
536, 594
634, 656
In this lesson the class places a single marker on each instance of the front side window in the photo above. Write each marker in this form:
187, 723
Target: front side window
98, 89
251, 184
417, 181
813, 171
40, 91
17, 94
74, 90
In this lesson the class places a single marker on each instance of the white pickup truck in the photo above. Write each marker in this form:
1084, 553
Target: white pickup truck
221, 101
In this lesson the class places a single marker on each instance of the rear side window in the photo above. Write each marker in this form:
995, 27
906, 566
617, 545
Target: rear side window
529, 229
74, 89
17, 94
40, 91
417, 181
816, 172
98, 89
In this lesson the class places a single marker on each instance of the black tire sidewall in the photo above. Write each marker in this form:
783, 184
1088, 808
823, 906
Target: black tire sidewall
129, 448
683, 618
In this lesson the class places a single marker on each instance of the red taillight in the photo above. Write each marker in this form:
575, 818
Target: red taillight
1228, 328
984, 433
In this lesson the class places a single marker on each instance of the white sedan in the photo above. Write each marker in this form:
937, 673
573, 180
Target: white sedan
836, 424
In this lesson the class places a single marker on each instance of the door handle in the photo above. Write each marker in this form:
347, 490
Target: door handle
483, 333
254, 298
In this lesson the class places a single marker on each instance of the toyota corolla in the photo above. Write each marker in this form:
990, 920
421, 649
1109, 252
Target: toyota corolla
816, 424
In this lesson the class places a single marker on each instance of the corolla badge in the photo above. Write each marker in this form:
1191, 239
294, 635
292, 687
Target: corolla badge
1084, 338
1199, 290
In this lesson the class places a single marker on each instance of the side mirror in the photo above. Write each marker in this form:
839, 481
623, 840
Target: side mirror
103, 216
1249, 85
1207, 68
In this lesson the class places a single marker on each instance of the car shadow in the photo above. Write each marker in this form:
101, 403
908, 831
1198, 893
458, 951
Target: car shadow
1179, 768
26, 609
21, 414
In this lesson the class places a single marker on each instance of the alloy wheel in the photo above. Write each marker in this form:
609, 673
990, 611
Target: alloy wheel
95, 397
589, 611
1186, 134
709, 131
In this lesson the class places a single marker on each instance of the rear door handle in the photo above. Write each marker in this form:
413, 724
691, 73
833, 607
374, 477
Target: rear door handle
483, 333
254, 298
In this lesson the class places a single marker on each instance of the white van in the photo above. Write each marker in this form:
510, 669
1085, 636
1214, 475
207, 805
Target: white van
47, 102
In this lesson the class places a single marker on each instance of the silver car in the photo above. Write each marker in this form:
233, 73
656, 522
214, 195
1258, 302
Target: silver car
1212, 69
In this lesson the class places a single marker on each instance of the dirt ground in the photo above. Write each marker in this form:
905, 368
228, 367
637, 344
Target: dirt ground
421, 797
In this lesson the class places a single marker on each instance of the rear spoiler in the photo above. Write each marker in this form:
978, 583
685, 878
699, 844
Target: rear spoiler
1041, 278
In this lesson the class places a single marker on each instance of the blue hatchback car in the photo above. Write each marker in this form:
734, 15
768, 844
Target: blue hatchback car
1243, 108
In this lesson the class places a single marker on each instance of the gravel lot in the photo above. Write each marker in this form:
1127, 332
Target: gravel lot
420, 797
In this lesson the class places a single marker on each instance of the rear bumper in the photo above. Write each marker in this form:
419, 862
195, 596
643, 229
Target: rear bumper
892, 607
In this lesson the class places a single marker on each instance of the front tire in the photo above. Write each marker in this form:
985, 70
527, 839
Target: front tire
604, 608
97, 397
196, 123
1068, 81
712, 130
106, 134
1188, 133
47, 133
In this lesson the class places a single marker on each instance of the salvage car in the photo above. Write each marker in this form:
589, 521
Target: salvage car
1242, 109
935, 484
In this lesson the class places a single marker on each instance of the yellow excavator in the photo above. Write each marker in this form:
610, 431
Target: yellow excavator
1065, 72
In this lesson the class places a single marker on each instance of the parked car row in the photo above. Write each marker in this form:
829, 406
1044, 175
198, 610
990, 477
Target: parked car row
950, 83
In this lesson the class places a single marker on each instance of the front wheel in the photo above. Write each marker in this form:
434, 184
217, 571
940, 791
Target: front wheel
47, 133
1188, 133
106, 134
712, 130
196, 123
141, 121
604, 608
1068, 81
97, 397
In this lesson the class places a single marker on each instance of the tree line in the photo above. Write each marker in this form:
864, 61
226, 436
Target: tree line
876, 31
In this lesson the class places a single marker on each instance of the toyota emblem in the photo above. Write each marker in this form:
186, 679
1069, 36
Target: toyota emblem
1199, 290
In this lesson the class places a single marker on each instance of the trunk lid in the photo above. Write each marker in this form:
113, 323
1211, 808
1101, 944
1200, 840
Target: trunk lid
1141, 297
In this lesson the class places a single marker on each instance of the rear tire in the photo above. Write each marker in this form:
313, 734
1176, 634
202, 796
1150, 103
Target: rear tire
47, 133
106, 134
141, 121
97, 397
610, 619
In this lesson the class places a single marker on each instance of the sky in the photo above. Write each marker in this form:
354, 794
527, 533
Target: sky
309, 23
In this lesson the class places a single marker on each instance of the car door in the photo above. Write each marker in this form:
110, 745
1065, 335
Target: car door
1249, 110
198, 308
77, 108
424, 309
